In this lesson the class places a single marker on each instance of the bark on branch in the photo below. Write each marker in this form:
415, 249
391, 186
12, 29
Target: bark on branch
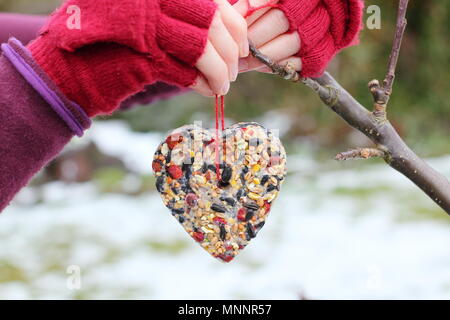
375, 125
360, 153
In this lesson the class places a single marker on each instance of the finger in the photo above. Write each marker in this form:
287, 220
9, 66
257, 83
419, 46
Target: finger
256, 15
236, 25
225, 46
214, 69
268, 27
295, 62
242, 7
201, 86
278, 49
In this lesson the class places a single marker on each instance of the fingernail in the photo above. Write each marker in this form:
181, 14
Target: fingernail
244, 51
235, 72
226, 88
243, 65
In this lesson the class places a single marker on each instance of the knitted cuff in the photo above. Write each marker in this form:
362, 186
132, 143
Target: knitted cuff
346, 21
325, 27
195, 12
315, 61
152, 94
183, 28
314, 29
297, 11
183, 41
71, 113
97, 77
178, 26
127, 22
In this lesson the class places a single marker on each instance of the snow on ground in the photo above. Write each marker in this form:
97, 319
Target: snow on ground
135, 149
349, 233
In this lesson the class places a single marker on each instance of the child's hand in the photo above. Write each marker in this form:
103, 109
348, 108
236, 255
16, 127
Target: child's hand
120, 46
227, 42
307, 33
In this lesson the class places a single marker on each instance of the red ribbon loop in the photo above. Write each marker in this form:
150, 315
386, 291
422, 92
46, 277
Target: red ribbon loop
220, 113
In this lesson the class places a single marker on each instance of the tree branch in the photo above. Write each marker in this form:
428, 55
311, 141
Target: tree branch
375, 125
397, 154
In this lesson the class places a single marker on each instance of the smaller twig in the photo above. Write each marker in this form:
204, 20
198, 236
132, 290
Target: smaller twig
360, 153
396, 46
287, 71
382, 93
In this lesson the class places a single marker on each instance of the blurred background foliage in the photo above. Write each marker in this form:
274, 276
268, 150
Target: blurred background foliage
419, 107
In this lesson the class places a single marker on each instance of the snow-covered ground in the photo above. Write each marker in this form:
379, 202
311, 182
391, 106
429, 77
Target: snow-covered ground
336, 231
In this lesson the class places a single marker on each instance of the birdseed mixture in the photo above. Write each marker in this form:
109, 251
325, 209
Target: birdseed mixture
223, 213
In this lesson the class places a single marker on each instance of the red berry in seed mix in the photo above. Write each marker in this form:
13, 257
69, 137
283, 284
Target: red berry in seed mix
191, 199
175, 171
156, 166
198, 236
219, 220
173, 140
242, 212
226, 258
267, 206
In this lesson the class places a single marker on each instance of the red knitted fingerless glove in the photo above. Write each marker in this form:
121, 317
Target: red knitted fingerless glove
121, 46
325, 27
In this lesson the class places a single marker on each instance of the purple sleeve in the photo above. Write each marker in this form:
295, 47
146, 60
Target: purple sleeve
31, 133
26, 27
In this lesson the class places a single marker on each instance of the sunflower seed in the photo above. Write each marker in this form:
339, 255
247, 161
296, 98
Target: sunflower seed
250, 232
249, 215
251, 206
218, 208
223, 232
